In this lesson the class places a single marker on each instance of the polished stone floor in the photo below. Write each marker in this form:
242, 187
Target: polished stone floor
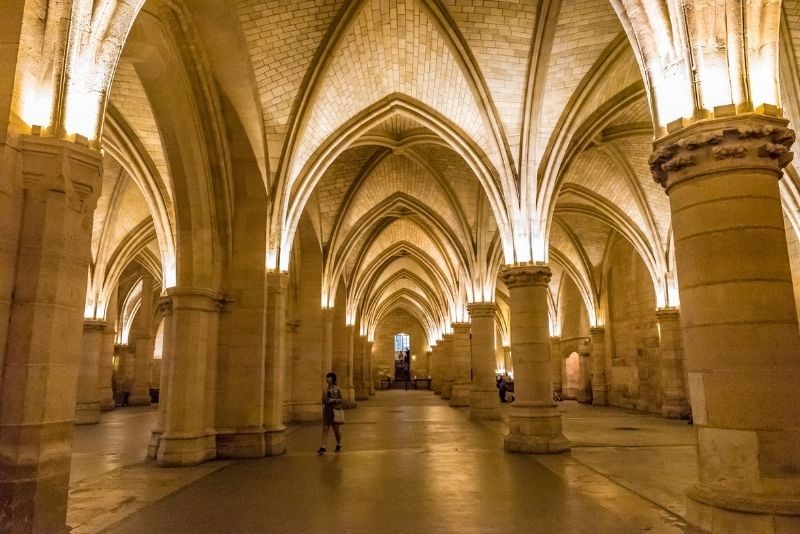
409, 463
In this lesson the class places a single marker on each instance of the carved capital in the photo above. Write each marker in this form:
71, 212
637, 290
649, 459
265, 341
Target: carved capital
165, 305
750, 141
481, 309
667, 314
56, 165
526, 275
597, 331
94, 326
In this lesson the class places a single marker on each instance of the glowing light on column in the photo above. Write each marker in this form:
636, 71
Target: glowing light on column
36, 104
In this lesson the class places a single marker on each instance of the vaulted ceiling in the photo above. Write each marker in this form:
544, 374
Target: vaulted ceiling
400, 129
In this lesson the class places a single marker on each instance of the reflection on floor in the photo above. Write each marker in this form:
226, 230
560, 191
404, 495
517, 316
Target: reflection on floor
410, 463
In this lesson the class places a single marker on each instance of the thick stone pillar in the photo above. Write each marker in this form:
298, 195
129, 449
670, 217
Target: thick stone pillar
556, 366
61, 182
436, 363
87, 408
105, 393
167, 359
362, 366
142, 347
461, 365
370, 373
447, 366
484, 403
274, 362
327, 342
189, 436
738, 315
534, 422
584, 375
346, 380
675, 401
597, 362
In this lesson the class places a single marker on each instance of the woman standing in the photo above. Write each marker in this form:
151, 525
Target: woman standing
331, 400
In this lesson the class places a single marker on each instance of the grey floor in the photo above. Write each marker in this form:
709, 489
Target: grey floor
410, 463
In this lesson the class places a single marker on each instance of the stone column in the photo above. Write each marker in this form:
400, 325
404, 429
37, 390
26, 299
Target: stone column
534, 422
362, 366
370, 374
556, 364
436, 368
740, 330
167, 358
484, 403
274, 362
142, 347
105, 393
447, 366
327, 342
461, 365
189, 436
584, 376
346, 381
675, 402
59, 185
87, 409
597, 362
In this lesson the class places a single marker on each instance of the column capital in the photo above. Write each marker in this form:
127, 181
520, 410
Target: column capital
597, 330
91, 325
481, 309
717, 145
666, 314
277, 279
52, 164
165, 305
526, 275
184, 298
461, 326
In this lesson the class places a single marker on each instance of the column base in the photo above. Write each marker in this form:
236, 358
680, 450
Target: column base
87, 413
179, 451
362, 391
447, 389
139, 400
240, 443
152, 445
348, 397
106, 405
307, 412
460, 395
714, 511
484, 404
675, 411
599, 397
275, 442
535, 429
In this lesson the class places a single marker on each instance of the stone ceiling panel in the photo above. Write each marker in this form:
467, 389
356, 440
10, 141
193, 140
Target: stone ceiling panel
500, 35
129, 98
584, 30
593, 235
400, 174
392, 47
336, 181
283, 38
595, 170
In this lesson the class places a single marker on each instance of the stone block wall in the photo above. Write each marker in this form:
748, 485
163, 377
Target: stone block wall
633, 368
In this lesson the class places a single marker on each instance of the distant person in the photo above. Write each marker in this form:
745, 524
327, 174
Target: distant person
502, 386
331, 400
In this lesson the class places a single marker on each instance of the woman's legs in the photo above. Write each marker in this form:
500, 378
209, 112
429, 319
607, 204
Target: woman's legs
338, 434
325, 429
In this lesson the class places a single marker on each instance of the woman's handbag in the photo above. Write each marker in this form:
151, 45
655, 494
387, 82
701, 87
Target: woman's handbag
338, 416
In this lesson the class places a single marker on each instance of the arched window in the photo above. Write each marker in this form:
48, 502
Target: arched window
401, 342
